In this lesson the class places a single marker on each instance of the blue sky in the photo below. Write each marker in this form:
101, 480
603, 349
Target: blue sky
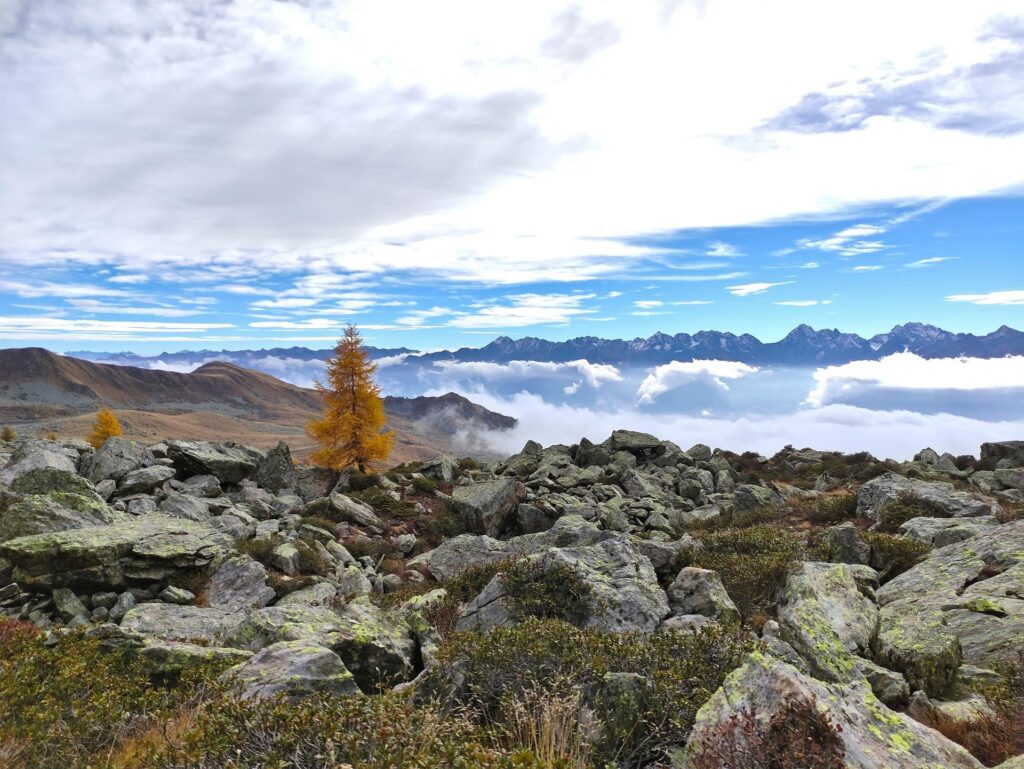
264, 172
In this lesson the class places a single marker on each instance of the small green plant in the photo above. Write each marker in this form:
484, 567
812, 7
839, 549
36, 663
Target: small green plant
260, 549
833, 509
892, 555
468, 463
756, 517
537, 589
70, 703
381, 501
679, 672
905, 507
424, 485
753, 563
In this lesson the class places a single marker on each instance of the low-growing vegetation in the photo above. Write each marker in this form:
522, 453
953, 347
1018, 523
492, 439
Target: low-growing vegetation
905, 507
753, 563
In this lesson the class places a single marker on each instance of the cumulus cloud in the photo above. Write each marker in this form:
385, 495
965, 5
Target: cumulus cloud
886, 433
678, 373
909, 372
594, 374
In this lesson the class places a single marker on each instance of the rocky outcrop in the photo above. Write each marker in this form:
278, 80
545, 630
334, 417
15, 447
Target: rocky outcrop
699, 591
147, 548
877, 494
228, 462
962, 603
488, 507
624, 592
292, 669
867, 734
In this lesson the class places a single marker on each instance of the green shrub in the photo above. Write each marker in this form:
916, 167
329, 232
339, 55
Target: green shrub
753, 563
445, 523
471, 581
382, 732
311, 560
892, 555
468, 463
382, 501
424, 485
683, 669
376, 548
358, 481
71, 703
905, 507
833, 509
756, 517
260, 549
535, 589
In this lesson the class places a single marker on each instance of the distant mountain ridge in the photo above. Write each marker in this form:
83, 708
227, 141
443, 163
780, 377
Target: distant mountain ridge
803, 346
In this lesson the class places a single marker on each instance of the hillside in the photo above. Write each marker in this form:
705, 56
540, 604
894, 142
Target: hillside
42, 391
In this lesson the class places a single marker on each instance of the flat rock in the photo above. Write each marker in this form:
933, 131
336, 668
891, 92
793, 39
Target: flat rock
191, 624
230, 463
877, 493
939, 532
144, 480
238, 584
150, 547
292, 669
25, 515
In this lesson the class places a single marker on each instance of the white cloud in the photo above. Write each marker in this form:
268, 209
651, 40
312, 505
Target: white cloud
810, 266
648, 303
594, 374
930, 261
909, 372
868, 268
750, 289
889, 433
723, 250
37, 327
524, 310
804, 302
692, 302
220, 150
678, 373
130, 279
994, 297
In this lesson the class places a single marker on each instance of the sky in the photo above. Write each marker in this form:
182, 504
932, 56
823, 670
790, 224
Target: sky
207, 174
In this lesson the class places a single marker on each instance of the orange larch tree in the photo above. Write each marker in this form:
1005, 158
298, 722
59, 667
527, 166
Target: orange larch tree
106, 426
352, 429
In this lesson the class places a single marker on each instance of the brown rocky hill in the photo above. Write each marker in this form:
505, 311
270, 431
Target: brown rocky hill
41, 391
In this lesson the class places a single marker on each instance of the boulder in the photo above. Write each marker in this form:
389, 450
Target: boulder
116, 458
442, 469
35, 461
700, 591
144, 480
348, 509
749, 497
171, 658
149, 548
875, 495
640, 445
206, 486
826, 619
845, 545
939, 532
238, 584
276, 470
191, 624
377, 645
1009, 453
185, 507
68, 604
272, 624
24, 515
292, 669
868, 734
488, 507
961, 603
624, 591
229, 462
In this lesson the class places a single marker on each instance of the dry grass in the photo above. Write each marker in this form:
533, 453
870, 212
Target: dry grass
547, 724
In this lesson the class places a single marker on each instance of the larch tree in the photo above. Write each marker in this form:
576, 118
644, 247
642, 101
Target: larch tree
352, 429
106, 426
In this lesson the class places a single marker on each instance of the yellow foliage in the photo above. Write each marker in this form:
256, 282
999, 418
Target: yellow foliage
352, 429
106, 426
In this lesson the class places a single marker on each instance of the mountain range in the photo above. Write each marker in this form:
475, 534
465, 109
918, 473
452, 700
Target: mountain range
41, 391
803, 346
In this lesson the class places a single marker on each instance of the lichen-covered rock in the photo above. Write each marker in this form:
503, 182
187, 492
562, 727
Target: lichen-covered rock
292, 669
238, 584
229, 462
171, 658
749, 497
276, 470
144, 480
442, 469
888, 685
41, 459
875, 495
191, 624
116, 458
845, 544
825, 617
939, 532
347, 509
151, 548
24, 515
700, 591
273, 624
186, 507
961, 603
488, 507
378, 646
625, 595
869, 735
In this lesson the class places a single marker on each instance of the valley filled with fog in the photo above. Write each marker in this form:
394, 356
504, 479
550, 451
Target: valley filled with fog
891, 407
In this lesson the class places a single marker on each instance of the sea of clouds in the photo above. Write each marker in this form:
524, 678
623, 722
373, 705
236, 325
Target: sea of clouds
891, 407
